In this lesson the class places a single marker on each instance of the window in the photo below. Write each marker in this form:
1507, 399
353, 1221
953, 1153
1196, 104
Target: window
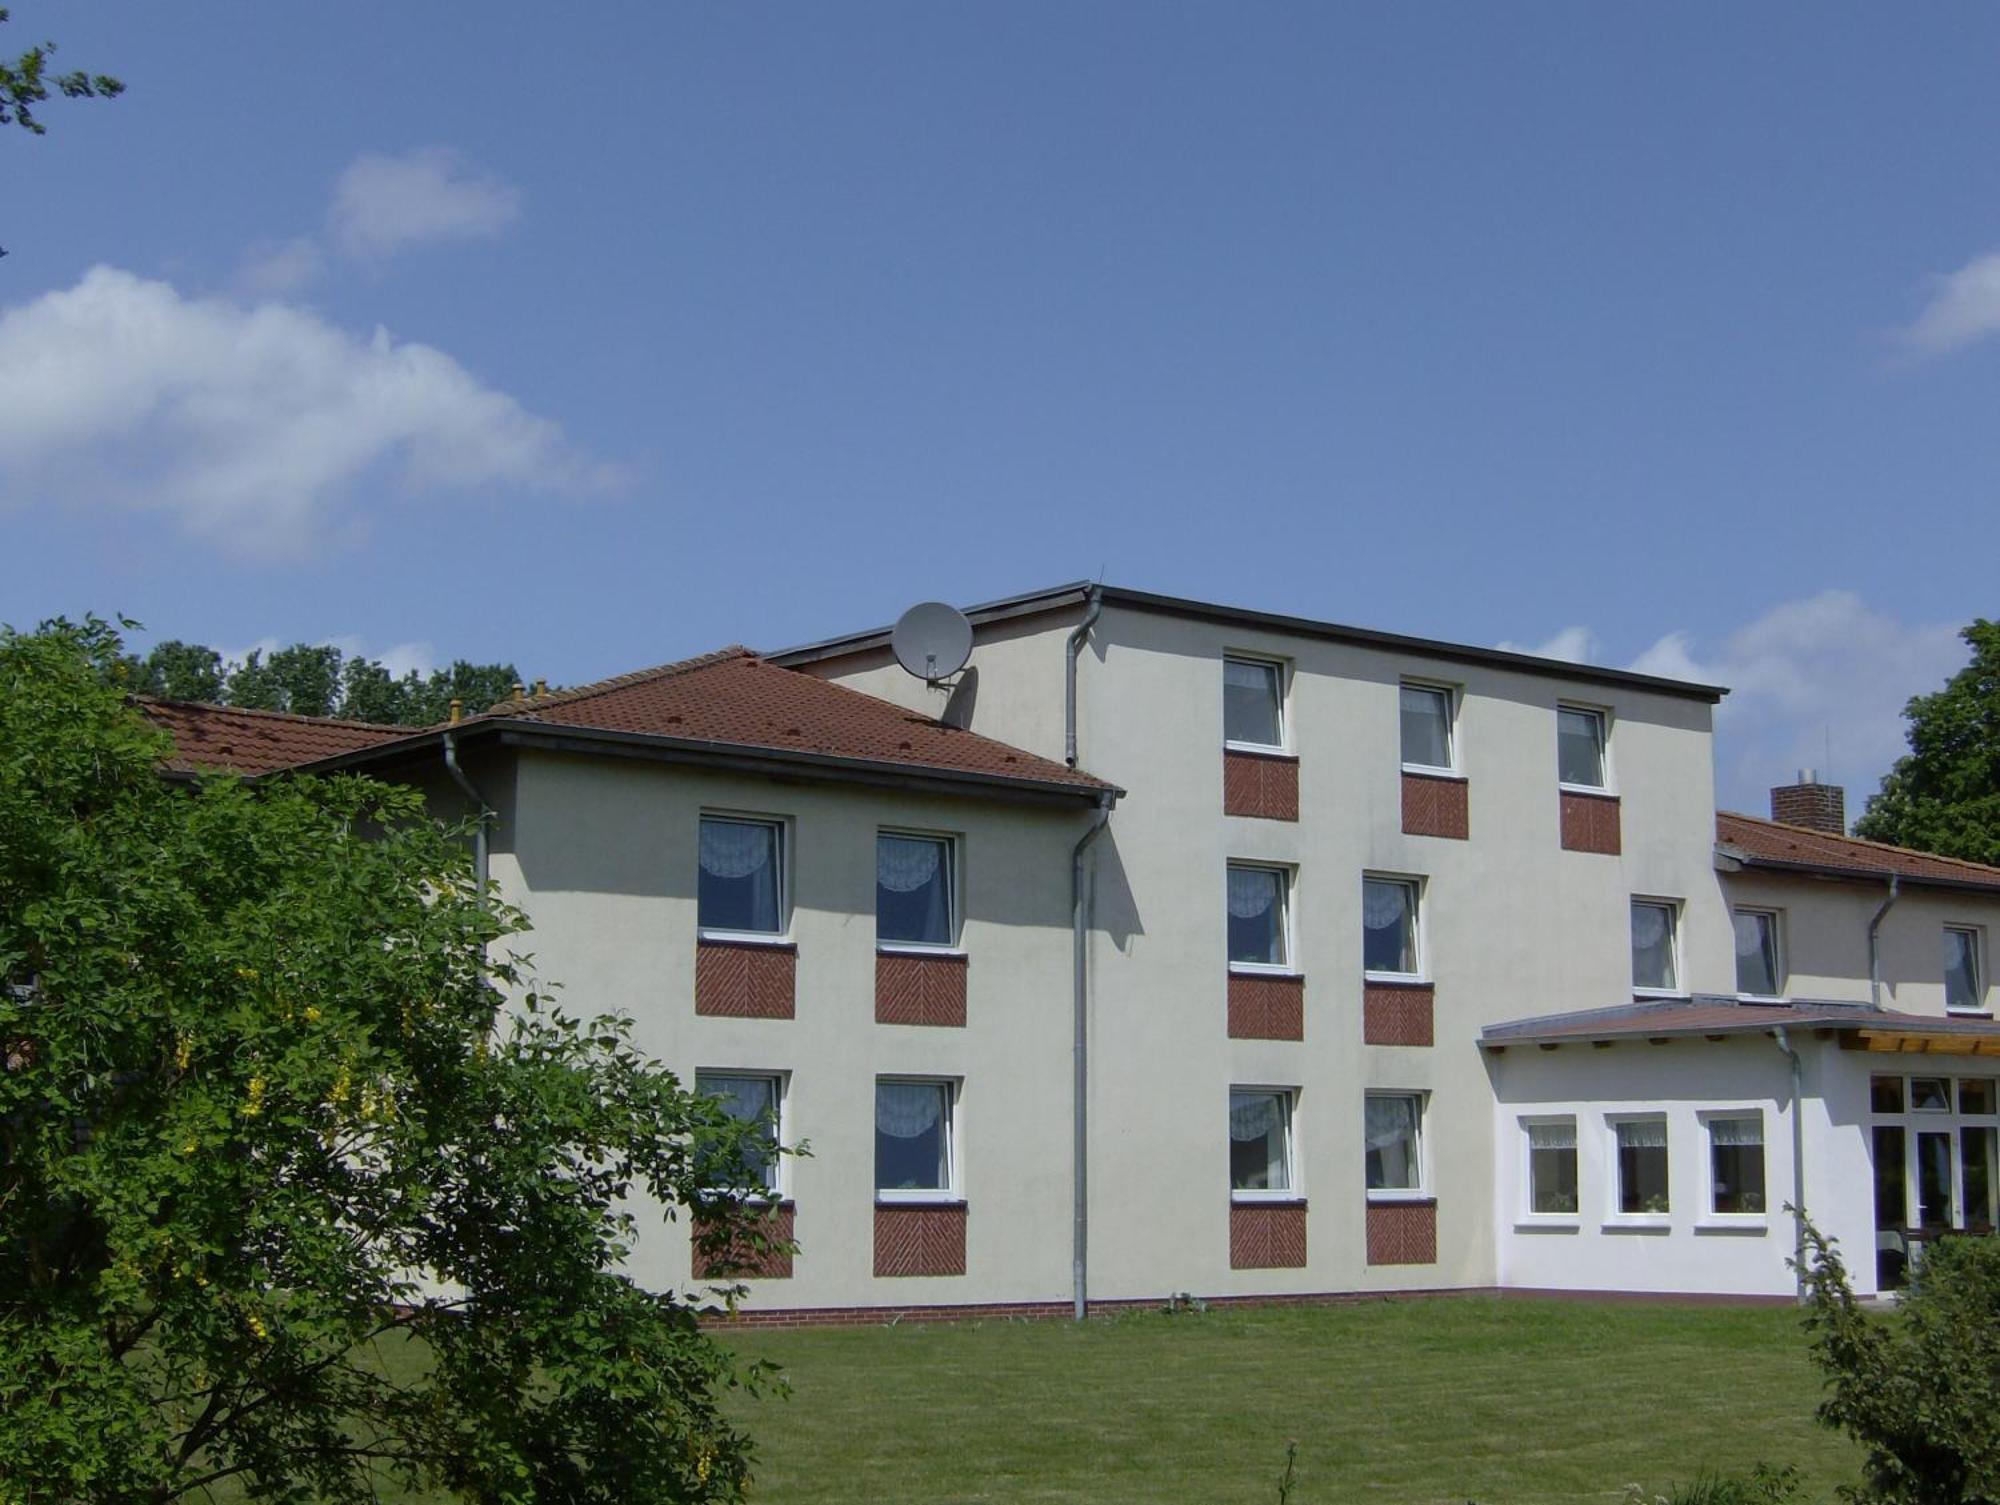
1580, 747
1642, 1165
1260, 1142
1551, 1166
1930, 1094
1257, 916
1427, 727
1653, 945
752, 1100
1885, 1094
915, 890
1253, 698
1389, 926
1962, 985
742, 884
1736, 1164
1394, 1126
1758, 970
913, 1140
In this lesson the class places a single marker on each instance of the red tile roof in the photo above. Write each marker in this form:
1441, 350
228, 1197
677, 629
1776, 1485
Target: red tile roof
735, 697
1767, 841
213, 738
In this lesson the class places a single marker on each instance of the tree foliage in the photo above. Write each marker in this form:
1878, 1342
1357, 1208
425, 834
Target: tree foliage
1944, 796
290, 1202
314, 679
25, 82
1921, 1394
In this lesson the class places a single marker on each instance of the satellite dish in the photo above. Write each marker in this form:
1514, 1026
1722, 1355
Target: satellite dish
932, 640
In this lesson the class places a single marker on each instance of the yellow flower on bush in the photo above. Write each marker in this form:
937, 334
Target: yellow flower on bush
253, 1104
183, 1051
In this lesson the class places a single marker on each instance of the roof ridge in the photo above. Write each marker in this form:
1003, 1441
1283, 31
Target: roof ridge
1863, 841
259, 711
570, 696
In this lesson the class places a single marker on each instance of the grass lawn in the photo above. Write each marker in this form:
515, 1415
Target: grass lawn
1448, 1399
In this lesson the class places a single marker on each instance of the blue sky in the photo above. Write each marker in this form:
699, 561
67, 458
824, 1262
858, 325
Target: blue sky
591, 339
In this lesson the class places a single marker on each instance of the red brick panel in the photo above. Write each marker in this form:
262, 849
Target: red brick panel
1267, 1235
740, 980
1396, 1013
1266, 1007
1436, 807
739, 1257
1590, 822
1402, 1233
919, 1238
1260, 784
912, 989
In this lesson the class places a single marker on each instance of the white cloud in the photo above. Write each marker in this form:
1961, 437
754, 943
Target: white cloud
1964, 309
1573, 645
1817, 683
382, 204
251, 425
272, 270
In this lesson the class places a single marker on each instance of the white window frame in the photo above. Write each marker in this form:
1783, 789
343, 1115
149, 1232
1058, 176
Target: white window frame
1614, 1183
1528, 1217
1284, 668
1451, 693
1604, 723
1782, 961
1708, 1217
1978, 937
953, 1190
1415, 883
1673, 909
782, 936
1422, 1191
1952, 1121
1288, 1101
1288, 878
955, 878
781, 1081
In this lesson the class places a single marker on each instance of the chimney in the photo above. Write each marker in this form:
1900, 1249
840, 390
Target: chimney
1809, 803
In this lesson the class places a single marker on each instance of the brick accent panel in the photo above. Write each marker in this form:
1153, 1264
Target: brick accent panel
1266, 1007
739, 980
919, 1238
1436, 807
1590, 823
911, 989
1396, 1013
738, 1258
1265, 785
1821, 807
1402, 1233
1267, 1235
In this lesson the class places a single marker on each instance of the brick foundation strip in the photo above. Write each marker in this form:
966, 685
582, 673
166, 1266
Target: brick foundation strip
1266, 1007
911, 988
1397, 1013
745, 980
1402, 1233
766, 1256
1267, 1235
1434, 806
919, 1238
1263, 785
1590, 823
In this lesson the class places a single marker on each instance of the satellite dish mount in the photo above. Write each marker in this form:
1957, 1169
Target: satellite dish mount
932, 641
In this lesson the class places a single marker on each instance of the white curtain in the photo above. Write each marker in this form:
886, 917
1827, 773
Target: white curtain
1743, 1131
1252, 1115
904, 864
907, 1110
735, 848
1552, 1136
746, 1098
1252, 891
1649, 926
1391, 1121
1643, 1134
1749, 935
1383, 904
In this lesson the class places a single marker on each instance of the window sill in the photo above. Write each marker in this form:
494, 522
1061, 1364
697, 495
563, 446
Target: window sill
1678, 995
1247, 1198
1766, 1000
1425, 771
1378, 1195
1968, 1013
1406, 979
1263, 969
1656, 1223
748, 938
885, 1197
1554, 1222
1754, 1224
1259, 749
1600, 790
916, 948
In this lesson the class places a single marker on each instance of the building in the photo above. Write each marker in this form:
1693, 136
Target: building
1356, 962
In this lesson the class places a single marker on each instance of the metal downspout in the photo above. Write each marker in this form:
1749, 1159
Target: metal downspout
1874, 950
1798, 1159
483, 812
1079, 919
1076, 641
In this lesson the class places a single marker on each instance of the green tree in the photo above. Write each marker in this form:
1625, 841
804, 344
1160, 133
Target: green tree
179, 671
24, 84
303, 679
290, 1201
1944, 796
1922, 1394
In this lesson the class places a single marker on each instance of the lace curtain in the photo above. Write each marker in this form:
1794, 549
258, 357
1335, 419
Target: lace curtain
1383, 904
1391, 1121
904, 864
1649, 926
908, 1110
1643, 1134
1749, 935
1252, 1115
1735, 1131
1552, 1136
745, 1098
1252, 891
735, 848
